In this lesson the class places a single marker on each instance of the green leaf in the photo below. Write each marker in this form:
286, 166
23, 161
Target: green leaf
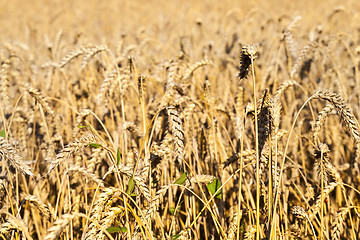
213, 187
116, 229
2, 133
174, 237
177, 209
131, 186
95, 145
81, 126
118, 157
172, 210
181, 179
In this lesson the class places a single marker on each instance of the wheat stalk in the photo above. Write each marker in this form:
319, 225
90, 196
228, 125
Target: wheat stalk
91, 52
108, 220
250, 232
202, 178
11, 224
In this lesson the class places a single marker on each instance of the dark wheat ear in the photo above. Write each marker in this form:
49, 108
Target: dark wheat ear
248, 51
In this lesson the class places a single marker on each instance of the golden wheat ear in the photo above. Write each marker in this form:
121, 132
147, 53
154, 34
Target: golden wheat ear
9, 153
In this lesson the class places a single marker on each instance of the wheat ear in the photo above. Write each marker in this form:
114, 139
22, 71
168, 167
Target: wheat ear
58, 226
8, 152
175, 127
195, 66
320, 121
337, 225
300, 212
345, 113
35, 93
70, 149
45, 209
4, 86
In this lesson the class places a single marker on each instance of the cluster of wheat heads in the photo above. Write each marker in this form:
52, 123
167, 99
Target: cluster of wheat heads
224, 140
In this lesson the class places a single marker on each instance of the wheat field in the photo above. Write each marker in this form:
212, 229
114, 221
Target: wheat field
179, 120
